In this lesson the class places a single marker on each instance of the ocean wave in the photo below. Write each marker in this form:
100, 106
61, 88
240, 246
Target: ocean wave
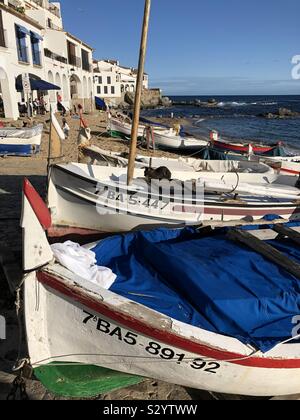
236, 104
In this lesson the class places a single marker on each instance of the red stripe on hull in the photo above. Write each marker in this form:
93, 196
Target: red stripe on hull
168, 338
237, 212
290, 171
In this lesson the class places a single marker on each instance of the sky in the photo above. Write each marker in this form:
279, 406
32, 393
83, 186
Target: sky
197, 47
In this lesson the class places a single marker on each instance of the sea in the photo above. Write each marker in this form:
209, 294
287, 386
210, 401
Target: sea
238, 118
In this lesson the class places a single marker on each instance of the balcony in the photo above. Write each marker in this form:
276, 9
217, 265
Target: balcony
74, 61
55, 57
45, 4
23, 55
87, 67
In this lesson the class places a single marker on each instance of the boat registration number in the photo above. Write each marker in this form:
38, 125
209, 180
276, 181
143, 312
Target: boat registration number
152, 348
133, 199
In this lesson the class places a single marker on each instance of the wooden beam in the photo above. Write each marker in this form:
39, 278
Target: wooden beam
286, 231
266, 250
138, 94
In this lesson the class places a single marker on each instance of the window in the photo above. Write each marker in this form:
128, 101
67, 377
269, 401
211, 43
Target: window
113, 91
2, 36
109, 80
100, 80
99, 90
105, 90
85, 60
35, 48
21, 34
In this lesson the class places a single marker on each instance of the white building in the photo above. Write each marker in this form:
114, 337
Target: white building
32, 40
107, 80
112, 81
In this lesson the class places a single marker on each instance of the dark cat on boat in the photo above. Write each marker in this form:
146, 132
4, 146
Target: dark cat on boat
159, 173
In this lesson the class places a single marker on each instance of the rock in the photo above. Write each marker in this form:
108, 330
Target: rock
165, 101
281, 114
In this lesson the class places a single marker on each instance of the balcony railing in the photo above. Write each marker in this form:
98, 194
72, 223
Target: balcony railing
23, 55
56, 57
47, 5
74, 61
87, 67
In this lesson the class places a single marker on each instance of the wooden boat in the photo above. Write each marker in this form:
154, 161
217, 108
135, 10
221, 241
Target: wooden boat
243, 147
98, 199
20, 141
73, 323
121, 126
163, 137
248, 171
286, 165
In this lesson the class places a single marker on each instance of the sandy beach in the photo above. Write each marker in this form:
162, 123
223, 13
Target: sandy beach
12, 172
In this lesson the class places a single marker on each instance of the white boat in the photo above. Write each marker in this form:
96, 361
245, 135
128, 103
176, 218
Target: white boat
98, 199
163, 137
226, 170
121, 125
286, 165
74, 323
20, 141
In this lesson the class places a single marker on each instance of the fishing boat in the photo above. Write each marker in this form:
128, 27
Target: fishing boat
20, 141
121, 126
247, 171
159, 136
98, 199
214, 310
247, 148
286, 165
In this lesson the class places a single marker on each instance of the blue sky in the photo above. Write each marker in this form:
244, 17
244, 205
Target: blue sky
201, 47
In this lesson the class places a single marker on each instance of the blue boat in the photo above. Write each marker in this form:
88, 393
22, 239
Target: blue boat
20, 141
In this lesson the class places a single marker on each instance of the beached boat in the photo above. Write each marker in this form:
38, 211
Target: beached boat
189, 307
243, 147
161, 137
20, 141
121, 126
264, 173
98, 199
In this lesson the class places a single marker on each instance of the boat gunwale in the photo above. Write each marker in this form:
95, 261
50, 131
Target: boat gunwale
153, 327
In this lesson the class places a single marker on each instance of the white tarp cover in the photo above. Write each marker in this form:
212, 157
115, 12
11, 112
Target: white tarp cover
21, 133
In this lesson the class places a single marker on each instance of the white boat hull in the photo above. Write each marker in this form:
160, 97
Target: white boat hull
71, 324
20, 146
80, 200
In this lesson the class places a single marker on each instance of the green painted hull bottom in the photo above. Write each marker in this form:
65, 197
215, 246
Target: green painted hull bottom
82, 381
118, 135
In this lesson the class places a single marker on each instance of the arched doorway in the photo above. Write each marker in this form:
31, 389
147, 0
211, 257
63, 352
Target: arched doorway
9, 100
85, 88
66, 89
75, 87
90, 88
52, 96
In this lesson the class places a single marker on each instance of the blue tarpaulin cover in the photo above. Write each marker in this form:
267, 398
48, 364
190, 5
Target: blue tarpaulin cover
207, 281
100, 103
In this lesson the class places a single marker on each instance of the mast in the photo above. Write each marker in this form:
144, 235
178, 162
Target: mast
138, 95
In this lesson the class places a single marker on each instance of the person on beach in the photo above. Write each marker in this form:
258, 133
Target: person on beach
66, 128
60, 106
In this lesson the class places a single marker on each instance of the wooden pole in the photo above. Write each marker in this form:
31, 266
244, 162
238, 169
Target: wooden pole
138, 94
